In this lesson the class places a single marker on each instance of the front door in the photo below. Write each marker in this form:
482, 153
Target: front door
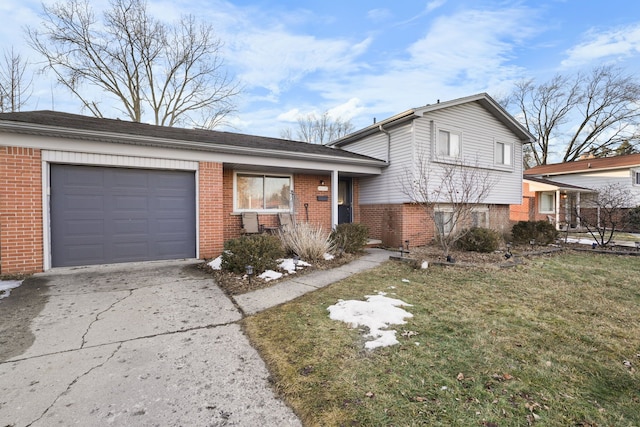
344, 201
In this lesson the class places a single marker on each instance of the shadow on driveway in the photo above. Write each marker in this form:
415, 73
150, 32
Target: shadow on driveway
135, 344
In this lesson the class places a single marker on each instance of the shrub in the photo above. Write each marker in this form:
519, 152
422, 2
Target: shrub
307, 241
633, 219
543, 232
351, 237
479, 239
260, 250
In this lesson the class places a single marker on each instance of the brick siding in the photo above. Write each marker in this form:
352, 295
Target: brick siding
211, 198
394, 224
306, 191
20, 210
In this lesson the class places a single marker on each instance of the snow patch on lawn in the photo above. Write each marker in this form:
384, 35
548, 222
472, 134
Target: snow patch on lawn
216, 264
270, 275
289, 266
376, 313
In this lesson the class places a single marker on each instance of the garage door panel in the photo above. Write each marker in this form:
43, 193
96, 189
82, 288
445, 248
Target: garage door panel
120, 215
88, 254
83, 228
130, 251
126, 227
131, 203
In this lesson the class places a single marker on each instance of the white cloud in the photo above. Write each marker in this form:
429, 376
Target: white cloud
348, 110
276, 59
617, 43
433, 5
444, 64
290, 116
379, 15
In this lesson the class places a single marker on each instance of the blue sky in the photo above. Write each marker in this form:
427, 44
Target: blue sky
366, 59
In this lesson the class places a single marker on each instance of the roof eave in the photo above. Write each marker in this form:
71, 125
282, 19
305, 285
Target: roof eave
374, 128
62, 132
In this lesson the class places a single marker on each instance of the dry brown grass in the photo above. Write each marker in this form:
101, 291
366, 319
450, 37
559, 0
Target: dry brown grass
555, 342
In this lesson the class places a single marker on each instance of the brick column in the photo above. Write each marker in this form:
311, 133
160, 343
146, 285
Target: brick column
211, 210
21, 240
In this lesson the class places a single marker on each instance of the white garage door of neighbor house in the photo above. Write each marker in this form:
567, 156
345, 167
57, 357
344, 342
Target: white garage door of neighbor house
105, 215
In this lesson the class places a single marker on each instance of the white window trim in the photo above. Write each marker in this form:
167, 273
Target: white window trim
446, 158
635, 176
511, 154
254, 173
553, 209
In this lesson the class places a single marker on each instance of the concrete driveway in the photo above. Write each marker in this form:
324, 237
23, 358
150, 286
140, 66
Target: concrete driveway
145, 344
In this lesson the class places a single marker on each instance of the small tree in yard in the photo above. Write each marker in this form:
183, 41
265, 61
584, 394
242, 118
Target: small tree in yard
606, 212
448, 194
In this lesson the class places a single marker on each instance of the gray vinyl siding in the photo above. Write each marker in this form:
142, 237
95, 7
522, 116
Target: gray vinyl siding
386, 188
373, 146
480, 130
595, 180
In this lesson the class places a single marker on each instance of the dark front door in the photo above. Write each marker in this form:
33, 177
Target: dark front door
345, 201
102, 215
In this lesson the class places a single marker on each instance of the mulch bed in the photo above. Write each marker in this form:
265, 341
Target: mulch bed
237, 284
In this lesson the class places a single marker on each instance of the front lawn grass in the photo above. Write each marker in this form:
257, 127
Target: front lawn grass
555, 342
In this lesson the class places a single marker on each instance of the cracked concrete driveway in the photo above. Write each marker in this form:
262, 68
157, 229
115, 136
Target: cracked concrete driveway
148, 344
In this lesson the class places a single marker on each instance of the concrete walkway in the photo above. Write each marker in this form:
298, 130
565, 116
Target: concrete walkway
141, 344
256, 301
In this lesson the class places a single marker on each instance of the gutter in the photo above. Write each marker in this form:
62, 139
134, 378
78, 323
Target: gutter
386, 132
45, 130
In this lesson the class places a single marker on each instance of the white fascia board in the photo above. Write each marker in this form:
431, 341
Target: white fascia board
200, 147
176, 153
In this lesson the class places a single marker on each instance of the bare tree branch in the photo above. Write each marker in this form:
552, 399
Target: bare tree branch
319, 129
15, 85
579, 114
170, 75
448, 192
606, 211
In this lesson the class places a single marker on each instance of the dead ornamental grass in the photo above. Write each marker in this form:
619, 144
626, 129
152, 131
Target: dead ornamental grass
554, 342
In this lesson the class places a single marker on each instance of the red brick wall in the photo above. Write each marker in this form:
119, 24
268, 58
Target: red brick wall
306, 191
526, 210
395, 224
211, 200
21, 242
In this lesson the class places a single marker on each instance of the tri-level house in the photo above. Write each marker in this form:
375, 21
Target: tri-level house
474, 132
78, 190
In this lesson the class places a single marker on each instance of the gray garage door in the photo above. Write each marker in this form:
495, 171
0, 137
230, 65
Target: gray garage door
104, 215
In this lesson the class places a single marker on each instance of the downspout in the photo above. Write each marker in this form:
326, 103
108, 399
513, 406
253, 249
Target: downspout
386, 132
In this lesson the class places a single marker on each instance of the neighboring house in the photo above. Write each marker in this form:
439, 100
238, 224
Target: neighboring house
556, 192
475, 131
77, 190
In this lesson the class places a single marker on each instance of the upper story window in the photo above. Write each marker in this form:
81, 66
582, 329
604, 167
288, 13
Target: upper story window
448, 144
262, 192
504, 154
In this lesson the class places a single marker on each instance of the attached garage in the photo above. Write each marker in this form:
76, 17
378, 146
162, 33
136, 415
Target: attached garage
104, 215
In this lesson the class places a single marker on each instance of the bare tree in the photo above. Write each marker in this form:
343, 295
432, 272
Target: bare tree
578, 114
606, 211
448, 192
15, 84
318, 129
172, 75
